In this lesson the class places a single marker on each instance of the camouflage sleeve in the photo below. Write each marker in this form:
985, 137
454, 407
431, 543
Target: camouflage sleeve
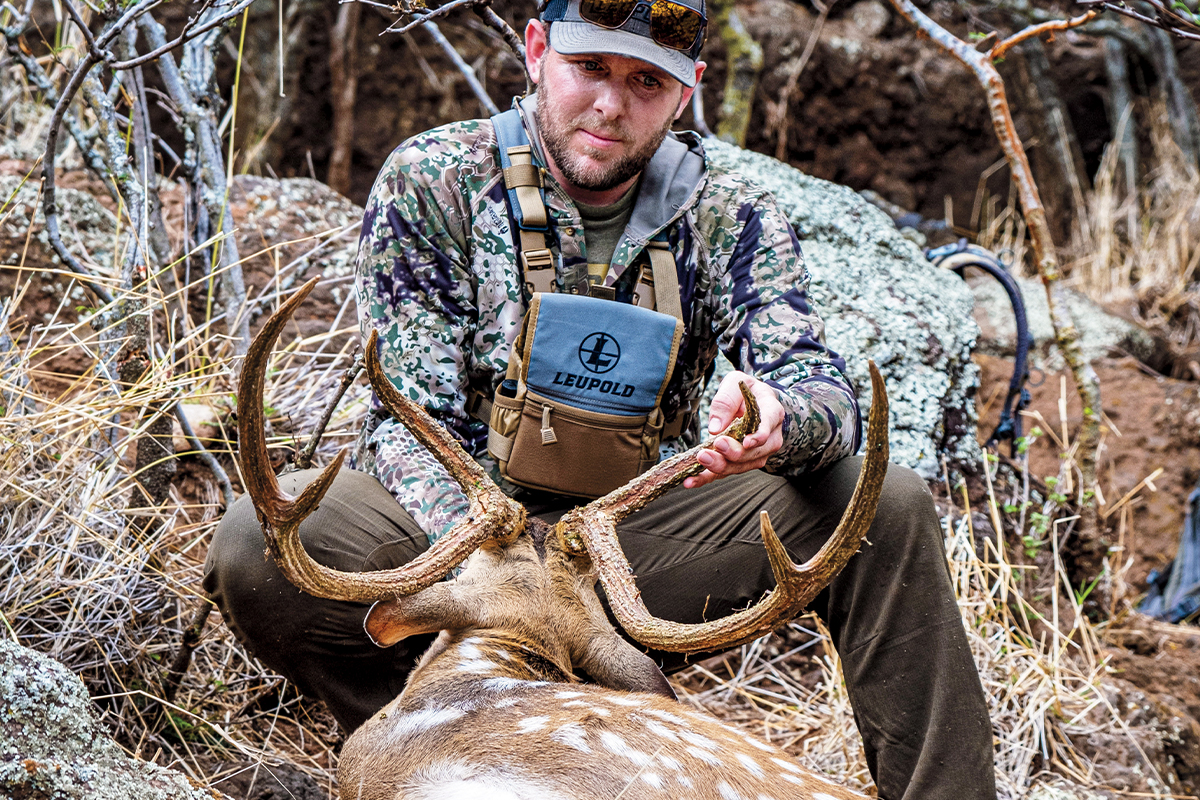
414, 286
768, 329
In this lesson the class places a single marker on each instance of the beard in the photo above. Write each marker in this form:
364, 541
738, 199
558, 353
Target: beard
573, 160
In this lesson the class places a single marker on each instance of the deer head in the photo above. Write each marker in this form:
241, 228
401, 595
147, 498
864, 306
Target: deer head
523, 615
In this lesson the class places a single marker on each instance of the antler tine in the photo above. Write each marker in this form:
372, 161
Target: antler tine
593, 529
281, 514
493, 515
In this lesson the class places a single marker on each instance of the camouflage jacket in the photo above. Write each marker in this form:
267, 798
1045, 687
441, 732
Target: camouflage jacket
438, 277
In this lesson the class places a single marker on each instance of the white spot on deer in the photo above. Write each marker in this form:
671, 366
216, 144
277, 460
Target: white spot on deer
598, 711
451, 780
704, 755
572, 735
792, 779
568, 695
751, 765
698, 740
505, 702
670, 763
503, 684
727, 792
616, 745
661, 730
823, 796
530, 724
667, 716
750, 740
624, 701
576, 703
653, 779
685, 780
469, 651
477, 666
764, 797
422, 720
787, 765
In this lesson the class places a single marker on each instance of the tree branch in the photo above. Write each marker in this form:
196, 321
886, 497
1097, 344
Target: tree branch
463, 67
1164, 18
186, 36
1001, 48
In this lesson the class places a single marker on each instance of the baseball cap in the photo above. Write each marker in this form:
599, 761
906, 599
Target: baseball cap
665, 33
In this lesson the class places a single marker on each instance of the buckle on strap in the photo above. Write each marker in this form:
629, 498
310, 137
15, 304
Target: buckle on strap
536, 260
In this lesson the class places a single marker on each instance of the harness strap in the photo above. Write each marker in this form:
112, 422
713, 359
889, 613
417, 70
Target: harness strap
660, 281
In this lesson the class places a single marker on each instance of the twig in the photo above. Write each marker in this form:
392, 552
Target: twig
1164, 18
49, 200
305, 456
1001, 48
208, 458
79, 23
497, 23
186, 36
463, 67
187, 645
440, 11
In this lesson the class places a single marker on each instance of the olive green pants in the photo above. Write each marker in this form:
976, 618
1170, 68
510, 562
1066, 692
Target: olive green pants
697, 554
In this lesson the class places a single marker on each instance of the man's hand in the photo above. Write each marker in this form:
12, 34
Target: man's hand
728, 456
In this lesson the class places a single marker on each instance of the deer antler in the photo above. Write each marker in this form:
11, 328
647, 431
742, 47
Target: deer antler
492, 515
593, 529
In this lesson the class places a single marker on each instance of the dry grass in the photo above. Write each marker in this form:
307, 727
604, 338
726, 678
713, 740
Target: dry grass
81, 583
1139, 253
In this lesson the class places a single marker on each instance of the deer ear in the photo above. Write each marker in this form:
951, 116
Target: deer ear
615, 663
387, 623
436, 608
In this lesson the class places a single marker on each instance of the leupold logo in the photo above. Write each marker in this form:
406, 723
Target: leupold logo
599, 352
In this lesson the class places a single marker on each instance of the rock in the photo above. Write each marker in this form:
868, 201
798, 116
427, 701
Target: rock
52, 746
1101, 334
882, 299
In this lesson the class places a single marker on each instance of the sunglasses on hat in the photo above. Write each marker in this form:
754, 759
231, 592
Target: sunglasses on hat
671, 24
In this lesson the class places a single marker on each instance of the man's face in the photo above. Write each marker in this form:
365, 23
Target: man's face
602, 117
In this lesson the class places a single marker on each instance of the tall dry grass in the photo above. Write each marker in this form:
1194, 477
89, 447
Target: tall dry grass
1140, 252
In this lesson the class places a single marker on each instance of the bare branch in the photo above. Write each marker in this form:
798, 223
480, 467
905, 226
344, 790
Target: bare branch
1164, 17
208, 458
305, 456
463, 67
440, 11
511, 38
49, 198
186, 35
1001, 48
79, 23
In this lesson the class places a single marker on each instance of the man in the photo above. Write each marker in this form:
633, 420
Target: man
440, 277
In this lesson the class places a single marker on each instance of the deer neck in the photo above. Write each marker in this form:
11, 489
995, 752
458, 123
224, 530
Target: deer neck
465, 663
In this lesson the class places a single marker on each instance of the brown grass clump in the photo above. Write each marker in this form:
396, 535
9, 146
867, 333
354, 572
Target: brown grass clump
1139, 252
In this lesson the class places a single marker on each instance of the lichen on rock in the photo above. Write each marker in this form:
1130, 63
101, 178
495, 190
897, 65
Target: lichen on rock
52, 745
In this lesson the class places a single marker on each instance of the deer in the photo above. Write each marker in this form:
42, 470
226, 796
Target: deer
496, 707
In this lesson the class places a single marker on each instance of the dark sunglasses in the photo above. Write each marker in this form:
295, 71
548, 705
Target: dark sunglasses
672, 25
